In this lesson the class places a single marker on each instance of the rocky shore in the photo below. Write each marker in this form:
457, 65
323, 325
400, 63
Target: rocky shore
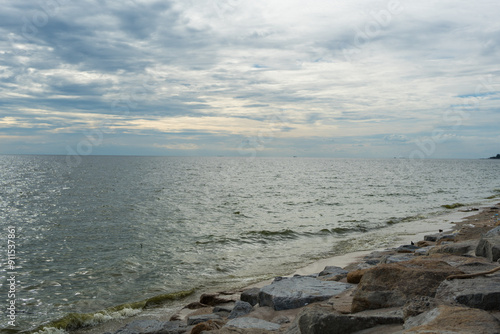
446, 283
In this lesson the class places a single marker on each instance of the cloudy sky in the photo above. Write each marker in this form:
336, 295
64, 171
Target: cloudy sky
333, 78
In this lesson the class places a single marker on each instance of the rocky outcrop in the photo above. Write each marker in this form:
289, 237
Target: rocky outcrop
319, 320
446, 319
479, 292
390, 285
298, 291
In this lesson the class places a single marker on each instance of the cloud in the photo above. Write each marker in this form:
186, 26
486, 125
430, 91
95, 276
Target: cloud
385, 72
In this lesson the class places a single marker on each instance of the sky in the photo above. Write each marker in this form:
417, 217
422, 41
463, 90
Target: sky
319, 78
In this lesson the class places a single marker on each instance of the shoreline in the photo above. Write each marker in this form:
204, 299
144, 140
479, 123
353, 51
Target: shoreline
404, 231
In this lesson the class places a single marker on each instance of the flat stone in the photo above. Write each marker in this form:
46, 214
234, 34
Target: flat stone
295, 292
455, 248
241, 308
248, 322
396, 258
251, 296
489, 248
196, 319
320, 320
448, 319
479, 292
440, 236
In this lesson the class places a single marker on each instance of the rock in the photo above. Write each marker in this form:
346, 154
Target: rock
489, 248
478, 292
207, 326
355, 276
213, 299
447, 319
333, 273
440, 236
423, 243
247, 322
223, 308
241, 308
196, 319
396, 258
423, 250
251, 296
417, 305
295, 292
195, 305
153, 327
320, 320
495, 232
457, 248
406, 248
389, 285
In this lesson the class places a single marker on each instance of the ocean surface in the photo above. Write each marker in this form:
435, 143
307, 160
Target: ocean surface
113, 230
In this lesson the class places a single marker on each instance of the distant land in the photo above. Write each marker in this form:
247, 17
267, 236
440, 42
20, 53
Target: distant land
497, 157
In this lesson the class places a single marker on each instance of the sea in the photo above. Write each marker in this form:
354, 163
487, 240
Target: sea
111, 237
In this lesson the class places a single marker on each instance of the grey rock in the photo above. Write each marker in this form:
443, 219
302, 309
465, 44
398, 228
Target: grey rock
417, 305
440, 236
153, 327
251, 296
196, 319
320, 320
489, 248
479, 292
423, 250
333, 273
407, 249
455, 248
495, 232
241, 308
396, 258
223, 308
248, 322
295, 292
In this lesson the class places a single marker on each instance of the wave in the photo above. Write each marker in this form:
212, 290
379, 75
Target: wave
397, 220
73, 321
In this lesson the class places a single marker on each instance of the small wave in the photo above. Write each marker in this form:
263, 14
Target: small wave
396, 220
345, 230
452, 206
73, 321
283, 234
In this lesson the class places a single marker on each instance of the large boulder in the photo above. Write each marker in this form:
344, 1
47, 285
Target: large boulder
489, 247
298, 291
478, 292
458, 320
319, 320
390, 285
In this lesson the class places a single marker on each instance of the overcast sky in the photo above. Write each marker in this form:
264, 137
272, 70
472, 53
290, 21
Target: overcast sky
333, 78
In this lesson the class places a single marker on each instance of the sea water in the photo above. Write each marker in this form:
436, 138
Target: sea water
112, 232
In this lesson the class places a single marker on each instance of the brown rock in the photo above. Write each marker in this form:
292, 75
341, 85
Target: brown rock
355, 276
423, 243
391, 285
207, 326
213, 299
447, 319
